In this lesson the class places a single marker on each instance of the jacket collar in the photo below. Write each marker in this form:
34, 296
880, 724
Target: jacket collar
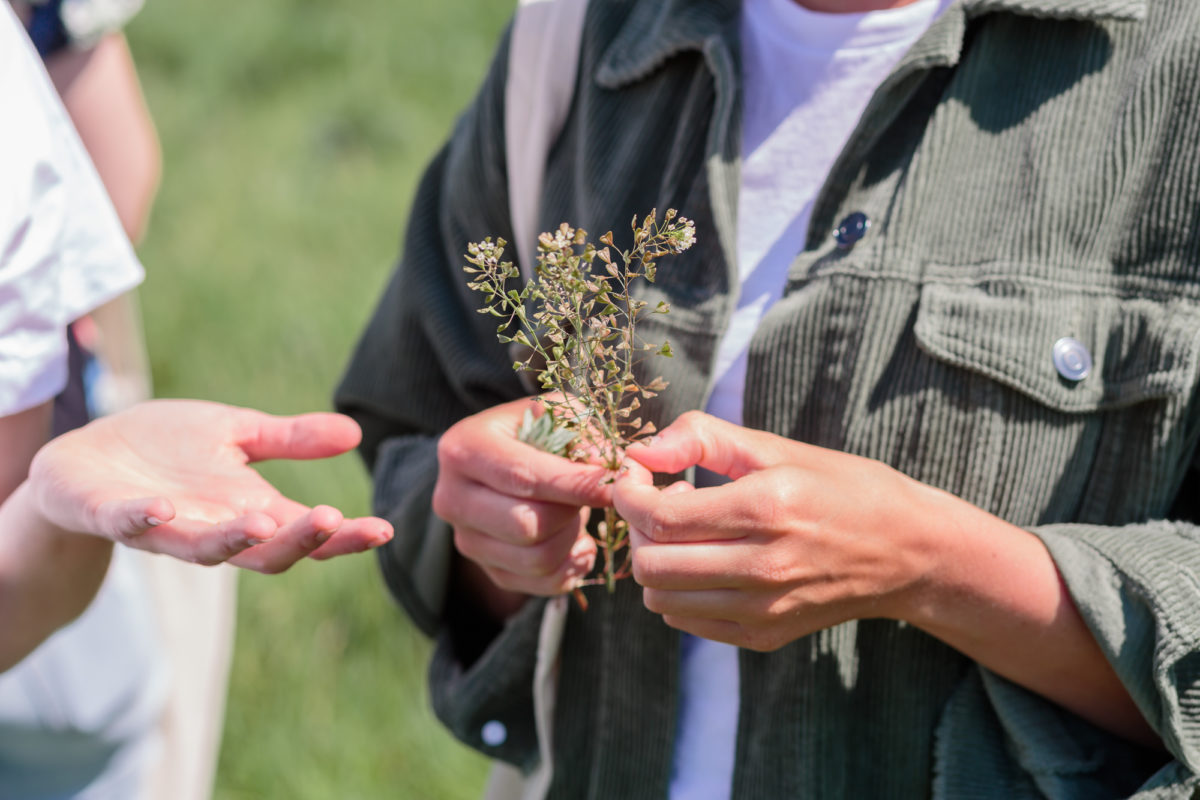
655, 31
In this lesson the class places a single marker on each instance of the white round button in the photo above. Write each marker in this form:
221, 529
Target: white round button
1072, 359
494, 733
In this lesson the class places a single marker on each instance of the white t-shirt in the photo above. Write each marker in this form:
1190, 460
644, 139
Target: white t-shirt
807, 77
62, 249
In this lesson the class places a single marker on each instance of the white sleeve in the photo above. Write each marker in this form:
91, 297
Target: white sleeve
62, 249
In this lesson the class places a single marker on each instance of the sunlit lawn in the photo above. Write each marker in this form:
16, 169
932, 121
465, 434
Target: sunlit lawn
293, 134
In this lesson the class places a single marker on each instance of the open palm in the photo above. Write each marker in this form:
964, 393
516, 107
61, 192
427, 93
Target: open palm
173, 477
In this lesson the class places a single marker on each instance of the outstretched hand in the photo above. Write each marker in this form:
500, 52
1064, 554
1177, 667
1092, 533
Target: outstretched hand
173, 477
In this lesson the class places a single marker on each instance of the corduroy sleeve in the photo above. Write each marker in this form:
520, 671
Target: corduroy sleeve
426, 360
1138, 589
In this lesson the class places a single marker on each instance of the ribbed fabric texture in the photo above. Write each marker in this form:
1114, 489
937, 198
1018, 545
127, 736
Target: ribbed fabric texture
1032, 171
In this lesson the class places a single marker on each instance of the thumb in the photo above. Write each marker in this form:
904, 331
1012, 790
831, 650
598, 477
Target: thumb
121, 519
697, 439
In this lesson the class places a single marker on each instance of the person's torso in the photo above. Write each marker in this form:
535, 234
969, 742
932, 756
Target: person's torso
1039, 188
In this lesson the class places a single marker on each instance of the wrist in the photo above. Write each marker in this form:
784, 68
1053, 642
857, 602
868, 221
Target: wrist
927, 551
28, 528
974, 564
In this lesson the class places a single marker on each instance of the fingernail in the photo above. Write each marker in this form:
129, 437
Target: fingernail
152, 522
323, 536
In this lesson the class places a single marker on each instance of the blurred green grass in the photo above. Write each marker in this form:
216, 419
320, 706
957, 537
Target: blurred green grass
293, 134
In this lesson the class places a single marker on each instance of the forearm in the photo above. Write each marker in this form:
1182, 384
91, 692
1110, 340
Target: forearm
997, 597
47, 575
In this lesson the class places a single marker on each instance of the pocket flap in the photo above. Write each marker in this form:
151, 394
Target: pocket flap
1140, 348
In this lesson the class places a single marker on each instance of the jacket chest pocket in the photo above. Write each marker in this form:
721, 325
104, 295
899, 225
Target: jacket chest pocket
1082, 403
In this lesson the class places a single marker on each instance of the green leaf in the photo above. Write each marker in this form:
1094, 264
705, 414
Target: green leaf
543, 433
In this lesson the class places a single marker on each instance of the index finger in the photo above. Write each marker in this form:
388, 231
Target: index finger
670, 515
513, 468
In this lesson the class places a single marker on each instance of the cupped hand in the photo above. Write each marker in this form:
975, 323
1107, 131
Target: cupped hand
173, 477
519, 513
801, 538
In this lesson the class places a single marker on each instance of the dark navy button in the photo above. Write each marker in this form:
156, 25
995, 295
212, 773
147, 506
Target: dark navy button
1072, 359
851, 229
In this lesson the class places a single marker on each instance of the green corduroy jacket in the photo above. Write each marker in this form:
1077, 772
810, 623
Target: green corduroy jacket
1031, 171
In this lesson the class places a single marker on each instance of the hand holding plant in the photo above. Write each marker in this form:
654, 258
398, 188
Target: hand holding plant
575, 321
